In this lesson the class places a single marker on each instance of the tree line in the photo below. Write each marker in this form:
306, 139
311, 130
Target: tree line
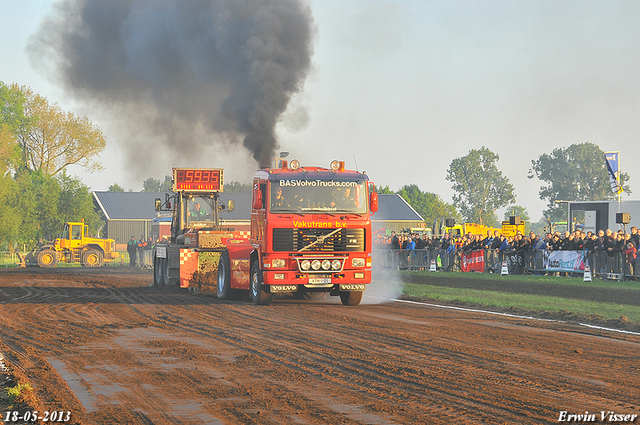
38, 141
575, 173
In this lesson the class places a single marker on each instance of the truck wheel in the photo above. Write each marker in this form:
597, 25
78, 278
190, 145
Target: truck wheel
165, 270
258, 294
224, 290
351, 297
92, 258
158, 271
47, 258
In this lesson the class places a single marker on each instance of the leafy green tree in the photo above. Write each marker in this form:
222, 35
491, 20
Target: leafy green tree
10, 217
9, 150
384, 190
576, 173
237, 187
52, 139
12, 112
151, 185
116, 188
38, 204
517, 211
76, 203
167, 185
429, 205
480, 188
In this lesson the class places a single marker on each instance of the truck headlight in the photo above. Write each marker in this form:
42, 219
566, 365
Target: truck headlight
326, 264
278, 262
336, 264
357, 262
316, 264
305, 264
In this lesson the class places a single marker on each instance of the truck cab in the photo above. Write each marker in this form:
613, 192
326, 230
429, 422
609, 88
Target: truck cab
311, 231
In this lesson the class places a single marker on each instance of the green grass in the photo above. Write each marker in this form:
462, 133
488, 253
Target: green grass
540, 296
535, 303
551, 280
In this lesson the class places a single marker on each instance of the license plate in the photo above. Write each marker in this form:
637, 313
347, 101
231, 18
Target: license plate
319, 280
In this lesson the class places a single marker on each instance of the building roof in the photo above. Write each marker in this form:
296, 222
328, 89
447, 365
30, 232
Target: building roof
141, 206
393, 207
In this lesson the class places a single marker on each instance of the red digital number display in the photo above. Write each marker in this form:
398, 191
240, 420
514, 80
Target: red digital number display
197, 179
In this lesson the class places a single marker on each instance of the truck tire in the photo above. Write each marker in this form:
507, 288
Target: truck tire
224, 289
165, 270
351, 297
47, 258
158, 271
258, 295
92, 258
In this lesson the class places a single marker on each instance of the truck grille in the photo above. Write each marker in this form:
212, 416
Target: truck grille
343, 240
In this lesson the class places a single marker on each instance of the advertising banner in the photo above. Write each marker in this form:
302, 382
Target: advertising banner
613, 163
472, 261
564, 261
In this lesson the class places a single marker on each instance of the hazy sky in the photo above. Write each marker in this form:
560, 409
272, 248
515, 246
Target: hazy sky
404, 87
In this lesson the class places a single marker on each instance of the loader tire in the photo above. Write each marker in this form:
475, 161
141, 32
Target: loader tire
92, 258
47, 258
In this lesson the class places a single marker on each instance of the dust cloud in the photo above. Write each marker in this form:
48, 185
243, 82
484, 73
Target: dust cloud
386, 286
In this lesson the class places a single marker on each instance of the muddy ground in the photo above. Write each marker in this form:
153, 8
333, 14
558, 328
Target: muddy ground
105, 346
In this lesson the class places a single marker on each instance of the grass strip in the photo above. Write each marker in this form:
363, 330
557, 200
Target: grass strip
550, 280
534, 303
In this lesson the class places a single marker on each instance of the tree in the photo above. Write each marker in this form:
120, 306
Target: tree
429, 205
115, 188
384, 190
517, 211
12, 121
52, 139
480, 188
76, 202
9, 150
237, 187
576, 173
153, 185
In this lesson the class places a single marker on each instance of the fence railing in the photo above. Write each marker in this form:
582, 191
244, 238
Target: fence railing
602, 264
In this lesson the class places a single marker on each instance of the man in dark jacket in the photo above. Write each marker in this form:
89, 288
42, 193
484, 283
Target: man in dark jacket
132, 249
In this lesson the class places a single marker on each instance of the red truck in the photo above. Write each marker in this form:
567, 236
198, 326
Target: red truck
310, 232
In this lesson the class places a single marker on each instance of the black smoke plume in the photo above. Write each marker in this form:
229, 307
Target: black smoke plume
180, 75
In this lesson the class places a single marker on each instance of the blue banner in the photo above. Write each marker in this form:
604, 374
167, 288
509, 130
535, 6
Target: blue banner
612, 160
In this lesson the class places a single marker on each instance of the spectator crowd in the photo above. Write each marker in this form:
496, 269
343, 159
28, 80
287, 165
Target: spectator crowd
605, 241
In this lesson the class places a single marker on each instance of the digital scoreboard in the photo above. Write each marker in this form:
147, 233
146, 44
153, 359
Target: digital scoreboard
197, 179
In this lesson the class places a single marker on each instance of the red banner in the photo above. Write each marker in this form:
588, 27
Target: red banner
472, 261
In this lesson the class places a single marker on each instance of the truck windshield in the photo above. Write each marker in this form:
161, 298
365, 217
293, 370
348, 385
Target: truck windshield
316, 195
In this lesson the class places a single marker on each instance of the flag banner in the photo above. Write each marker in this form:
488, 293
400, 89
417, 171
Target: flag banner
612, 159
472, 261
564, 261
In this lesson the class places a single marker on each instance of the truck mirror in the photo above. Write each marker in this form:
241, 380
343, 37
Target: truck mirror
257, 200
158, 204
231, 205
373, 202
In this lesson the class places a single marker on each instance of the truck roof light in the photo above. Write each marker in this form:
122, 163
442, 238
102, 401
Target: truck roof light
294, 165
337, 165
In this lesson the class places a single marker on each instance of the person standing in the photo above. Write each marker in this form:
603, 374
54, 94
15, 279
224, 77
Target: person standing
132, 249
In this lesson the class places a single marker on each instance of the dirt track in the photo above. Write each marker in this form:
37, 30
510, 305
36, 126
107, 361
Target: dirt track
112, 350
